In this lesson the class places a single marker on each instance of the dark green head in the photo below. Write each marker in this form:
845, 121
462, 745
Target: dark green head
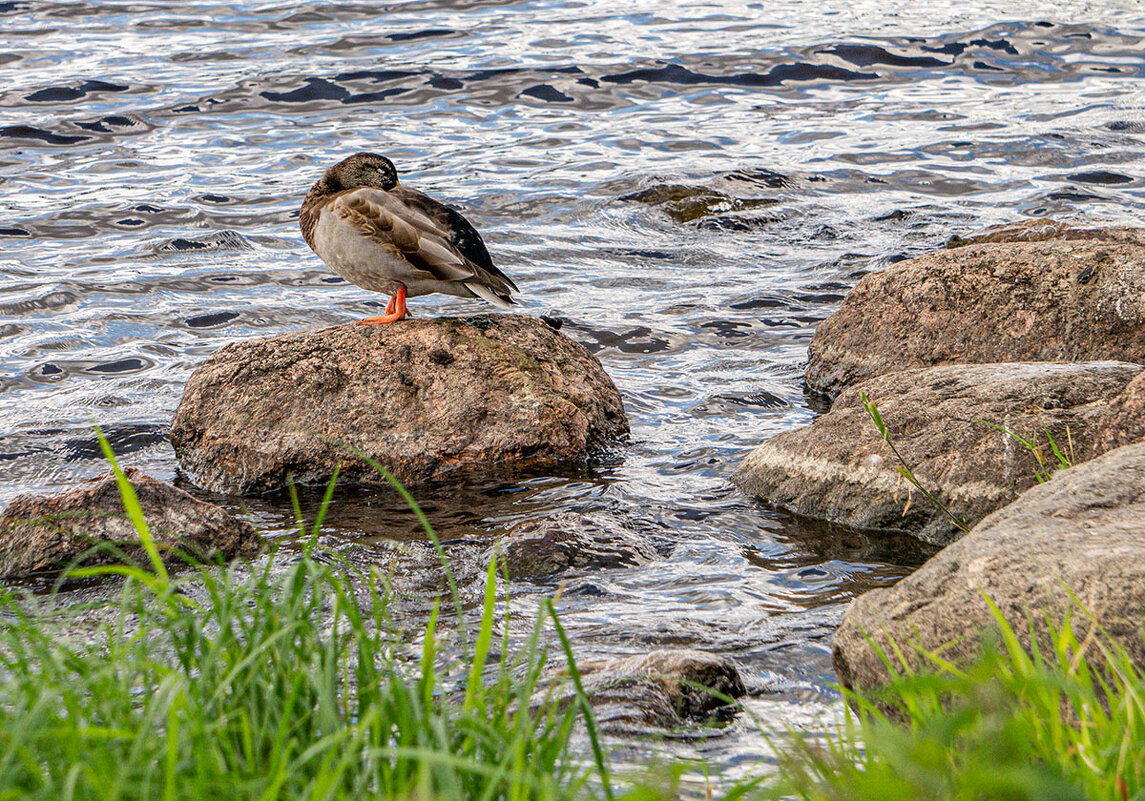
361, 169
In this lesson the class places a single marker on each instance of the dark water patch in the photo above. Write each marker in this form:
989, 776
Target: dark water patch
431, 33
445, 83
29, 132
374, 76
897, 215
1127, 126
121, 366
726, 404
47, 372
5, 231
315, 89
60, 369
727, 329
1100, 177
214, 320
678, 74
124, 438
1074, 195
223, 240
109, 124
638, 339
869, 55
67, 94
547, 93
374, 97
761, 303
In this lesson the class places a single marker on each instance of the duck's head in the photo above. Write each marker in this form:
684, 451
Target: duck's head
361, 169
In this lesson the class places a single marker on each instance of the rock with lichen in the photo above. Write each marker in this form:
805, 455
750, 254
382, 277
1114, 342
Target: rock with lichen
42, 535
428, 399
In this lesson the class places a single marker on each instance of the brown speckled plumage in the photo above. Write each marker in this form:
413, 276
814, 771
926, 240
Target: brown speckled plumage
386, 237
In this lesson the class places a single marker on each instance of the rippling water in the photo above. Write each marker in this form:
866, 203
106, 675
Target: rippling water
691, 186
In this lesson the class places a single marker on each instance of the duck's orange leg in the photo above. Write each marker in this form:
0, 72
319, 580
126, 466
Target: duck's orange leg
395, 310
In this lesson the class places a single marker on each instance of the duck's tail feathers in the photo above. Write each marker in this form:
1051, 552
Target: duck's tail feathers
487, 294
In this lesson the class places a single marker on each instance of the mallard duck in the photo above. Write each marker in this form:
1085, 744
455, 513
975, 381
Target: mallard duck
389, 238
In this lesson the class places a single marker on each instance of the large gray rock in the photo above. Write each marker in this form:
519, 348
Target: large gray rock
1079, 296
42, 535
840, 469
1083, 532
430, 399
663, 689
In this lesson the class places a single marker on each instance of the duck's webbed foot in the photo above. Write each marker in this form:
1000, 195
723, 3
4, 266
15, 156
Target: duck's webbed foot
395, 310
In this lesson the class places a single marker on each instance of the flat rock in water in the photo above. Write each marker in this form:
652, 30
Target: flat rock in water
840, 469
433, 399
42, 535
1078, 295
1083, 532
663, 689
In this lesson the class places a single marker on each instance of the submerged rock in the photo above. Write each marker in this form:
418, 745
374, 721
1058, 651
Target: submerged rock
663, 689
42, 535
1077, 297
690, 203
840, 469
568, 540
1081, 533
502, 395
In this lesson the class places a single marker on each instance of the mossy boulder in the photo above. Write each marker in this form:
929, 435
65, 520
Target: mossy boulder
429, 399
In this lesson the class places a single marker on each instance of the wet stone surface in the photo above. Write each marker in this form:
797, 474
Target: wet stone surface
41, 536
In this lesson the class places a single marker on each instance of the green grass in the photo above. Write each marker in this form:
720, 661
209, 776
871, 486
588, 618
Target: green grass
294, 679
1064, 720
287, 682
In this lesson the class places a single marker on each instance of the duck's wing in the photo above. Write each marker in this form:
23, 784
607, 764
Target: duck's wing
457, 230
393, 226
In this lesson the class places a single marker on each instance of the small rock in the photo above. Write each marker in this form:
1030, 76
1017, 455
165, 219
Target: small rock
662, 689
1079, 296
43, 535
430, 399
568, 540
1083, 532
840, 469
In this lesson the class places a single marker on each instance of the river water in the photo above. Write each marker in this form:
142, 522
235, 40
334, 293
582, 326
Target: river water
692, 187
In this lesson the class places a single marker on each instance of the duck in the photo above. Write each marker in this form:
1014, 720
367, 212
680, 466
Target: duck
384, 236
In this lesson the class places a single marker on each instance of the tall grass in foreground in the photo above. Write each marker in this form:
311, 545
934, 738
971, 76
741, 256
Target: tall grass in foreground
270, 687
287, 683
295, 682
1063, 722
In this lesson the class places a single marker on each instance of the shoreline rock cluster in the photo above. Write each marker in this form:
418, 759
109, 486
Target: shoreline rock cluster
990, 362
